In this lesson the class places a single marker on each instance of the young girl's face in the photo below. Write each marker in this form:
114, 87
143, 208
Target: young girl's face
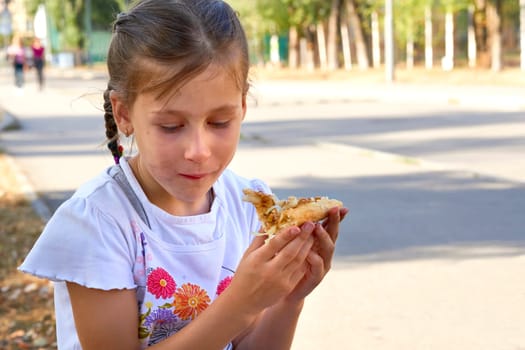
186, 140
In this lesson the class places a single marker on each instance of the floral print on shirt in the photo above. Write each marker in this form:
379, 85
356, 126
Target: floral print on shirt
190, 300
183, 304
167, 305
161, 284
223, 285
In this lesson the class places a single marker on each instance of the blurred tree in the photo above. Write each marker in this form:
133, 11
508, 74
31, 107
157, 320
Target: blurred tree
522, 34
494, 34
451, 7
251, 20
487, 23
332, 47
347, 25
68, 16
297, 18
357, 26
409, 24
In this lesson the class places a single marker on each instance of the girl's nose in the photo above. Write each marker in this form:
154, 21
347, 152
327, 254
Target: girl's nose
198, 148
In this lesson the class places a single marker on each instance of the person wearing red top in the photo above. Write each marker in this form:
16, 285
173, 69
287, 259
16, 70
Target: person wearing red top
38, 61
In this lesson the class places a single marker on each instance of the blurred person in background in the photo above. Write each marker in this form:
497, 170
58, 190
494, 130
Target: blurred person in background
38, 61
17, 56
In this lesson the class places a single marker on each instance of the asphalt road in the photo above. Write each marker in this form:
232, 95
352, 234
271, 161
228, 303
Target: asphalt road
432, 254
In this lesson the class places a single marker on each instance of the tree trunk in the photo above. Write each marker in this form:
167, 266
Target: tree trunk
332, 36
448, 61
293, 44
347, 48
321, 46
522, 33
389, 41
494, 27
480, 26
410, 49
376, 40
275, 58
471, 38
308, 49
429, 50
355, 24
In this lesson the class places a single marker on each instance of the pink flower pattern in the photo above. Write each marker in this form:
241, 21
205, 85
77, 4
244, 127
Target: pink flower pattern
223, 285
161, 284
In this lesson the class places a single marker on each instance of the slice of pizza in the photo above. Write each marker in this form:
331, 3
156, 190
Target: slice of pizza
276, 214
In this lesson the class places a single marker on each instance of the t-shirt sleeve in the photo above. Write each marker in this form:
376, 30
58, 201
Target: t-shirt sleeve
84, 245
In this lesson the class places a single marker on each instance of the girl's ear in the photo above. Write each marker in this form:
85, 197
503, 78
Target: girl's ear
121, 113
244, 108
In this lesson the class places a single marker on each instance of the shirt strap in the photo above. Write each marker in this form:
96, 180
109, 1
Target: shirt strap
117, 173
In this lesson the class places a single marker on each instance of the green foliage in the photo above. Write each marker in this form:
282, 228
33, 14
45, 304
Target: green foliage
67, 16
454, 5
104, 12
278, 16
410, 19
249, 16
263, 17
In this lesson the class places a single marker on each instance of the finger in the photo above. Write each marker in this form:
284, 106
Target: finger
343, 212
302, 254
326, 246
317, 266
291, 253
279, 241
331, 224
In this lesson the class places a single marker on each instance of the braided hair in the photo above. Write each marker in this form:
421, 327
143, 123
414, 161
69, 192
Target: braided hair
111, 128
159, 45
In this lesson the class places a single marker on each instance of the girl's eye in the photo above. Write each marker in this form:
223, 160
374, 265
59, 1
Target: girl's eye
220, 124
171, 128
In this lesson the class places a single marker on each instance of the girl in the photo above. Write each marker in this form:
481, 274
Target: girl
157, 251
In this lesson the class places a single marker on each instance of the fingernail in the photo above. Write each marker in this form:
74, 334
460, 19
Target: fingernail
295, 230
308, 226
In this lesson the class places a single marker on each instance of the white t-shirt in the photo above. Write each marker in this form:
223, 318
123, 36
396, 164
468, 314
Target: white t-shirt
177, 267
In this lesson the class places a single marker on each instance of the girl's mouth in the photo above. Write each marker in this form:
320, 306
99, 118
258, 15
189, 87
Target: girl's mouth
193, 176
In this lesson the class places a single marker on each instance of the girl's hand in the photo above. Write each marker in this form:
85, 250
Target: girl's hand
268, 272
319, 260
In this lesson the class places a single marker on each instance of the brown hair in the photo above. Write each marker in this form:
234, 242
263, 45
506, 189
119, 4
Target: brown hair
159, 45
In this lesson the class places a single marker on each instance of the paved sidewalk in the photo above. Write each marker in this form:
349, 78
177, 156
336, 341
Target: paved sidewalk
429, 257
285, 92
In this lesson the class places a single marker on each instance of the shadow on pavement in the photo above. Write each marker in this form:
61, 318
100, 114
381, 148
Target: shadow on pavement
58, 136
432, 215
55, 135
449, 215
281, 131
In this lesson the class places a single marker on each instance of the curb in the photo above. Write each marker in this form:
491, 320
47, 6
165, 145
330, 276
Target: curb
7, 121
390, 157
27, 189
269, 93
411, 161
